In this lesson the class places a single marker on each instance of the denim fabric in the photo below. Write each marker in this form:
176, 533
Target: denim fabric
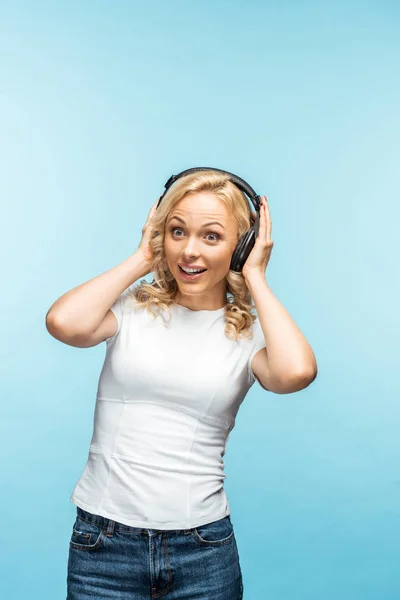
110, 560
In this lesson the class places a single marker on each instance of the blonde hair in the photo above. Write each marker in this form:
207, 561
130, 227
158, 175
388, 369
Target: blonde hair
162, 291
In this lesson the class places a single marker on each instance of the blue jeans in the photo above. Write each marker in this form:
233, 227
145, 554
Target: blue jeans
110, 560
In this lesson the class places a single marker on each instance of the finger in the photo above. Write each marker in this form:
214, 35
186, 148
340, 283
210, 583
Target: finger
269, 220
262, 228
267, 217
266, 234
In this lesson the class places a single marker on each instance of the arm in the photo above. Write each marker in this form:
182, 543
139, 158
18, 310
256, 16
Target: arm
287, 364
80, 311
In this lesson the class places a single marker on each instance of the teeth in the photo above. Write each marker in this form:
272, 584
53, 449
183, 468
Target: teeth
191, 270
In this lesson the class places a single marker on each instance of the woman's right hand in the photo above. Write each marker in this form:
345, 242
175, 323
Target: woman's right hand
147, 235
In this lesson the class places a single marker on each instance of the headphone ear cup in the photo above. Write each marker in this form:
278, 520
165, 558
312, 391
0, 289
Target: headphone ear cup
245, 246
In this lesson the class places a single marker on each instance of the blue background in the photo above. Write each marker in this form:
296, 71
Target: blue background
100, 102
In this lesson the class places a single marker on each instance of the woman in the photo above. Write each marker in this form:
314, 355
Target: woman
182, 353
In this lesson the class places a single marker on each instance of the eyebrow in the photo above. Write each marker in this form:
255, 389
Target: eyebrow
205, 224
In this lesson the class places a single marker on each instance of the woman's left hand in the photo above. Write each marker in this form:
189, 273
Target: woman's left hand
259, 256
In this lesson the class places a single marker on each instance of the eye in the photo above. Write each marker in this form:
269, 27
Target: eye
212, 233
173, 229
209, 233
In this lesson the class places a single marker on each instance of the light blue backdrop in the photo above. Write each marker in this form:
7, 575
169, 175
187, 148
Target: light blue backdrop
100, 103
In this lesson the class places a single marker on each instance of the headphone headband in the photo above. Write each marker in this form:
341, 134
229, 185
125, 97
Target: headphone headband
238, 181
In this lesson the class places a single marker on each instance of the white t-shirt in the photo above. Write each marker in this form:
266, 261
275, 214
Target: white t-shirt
166, 402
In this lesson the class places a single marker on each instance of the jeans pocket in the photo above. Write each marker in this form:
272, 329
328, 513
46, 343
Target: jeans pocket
216, 533
86, 535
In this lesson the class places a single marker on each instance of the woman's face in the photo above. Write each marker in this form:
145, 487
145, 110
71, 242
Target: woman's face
201, 232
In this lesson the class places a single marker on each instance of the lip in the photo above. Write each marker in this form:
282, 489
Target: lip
191, 266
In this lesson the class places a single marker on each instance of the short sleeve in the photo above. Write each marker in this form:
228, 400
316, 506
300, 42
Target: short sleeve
256, 344
118, 308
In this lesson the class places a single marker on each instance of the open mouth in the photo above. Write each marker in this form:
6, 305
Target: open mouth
191, 275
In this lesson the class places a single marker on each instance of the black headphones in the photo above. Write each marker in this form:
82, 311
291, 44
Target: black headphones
247, 241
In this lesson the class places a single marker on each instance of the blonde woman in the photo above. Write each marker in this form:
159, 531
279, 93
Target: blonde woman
153, 519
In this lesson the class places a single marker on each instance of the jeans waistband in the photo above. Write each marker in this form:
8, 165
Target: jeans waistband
110, 525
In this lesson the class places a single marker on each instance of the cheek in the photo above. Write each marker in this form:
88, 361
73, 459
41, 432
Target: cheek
168, 247
225, 254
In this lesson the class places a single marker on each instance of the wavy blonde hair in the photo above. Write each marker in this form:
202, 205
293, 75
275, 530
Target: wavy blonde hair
162, 291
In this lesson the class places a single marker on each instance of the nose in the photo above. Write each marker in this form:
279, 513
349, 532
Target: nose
190, 248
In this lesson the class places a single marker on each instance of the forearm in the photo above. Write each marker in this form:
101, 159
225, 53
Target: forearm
83, 308
289, 353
